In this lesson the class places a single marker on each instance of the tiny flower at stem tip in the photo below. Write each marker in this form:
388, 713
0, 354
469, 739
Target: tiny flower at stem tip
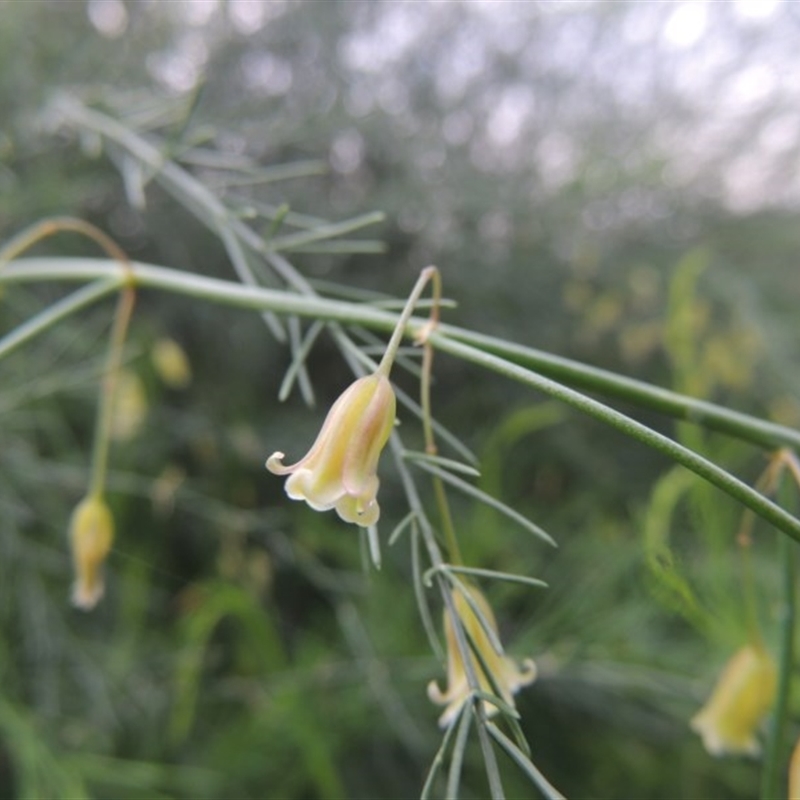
506, 675
91, 533
340, 469
729, 721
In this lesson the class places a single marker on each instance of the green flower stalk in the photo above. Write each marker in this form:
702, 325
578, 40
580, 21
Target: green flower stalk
91, 527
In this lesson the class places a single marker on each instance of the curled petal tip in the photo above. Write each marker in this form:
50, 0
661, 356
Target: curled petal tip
274, 464
435, 694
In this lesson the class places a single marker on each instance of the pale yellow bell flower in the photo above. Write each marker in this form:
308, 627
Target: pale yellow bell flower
507, 676
742, 697
340, 470
91, 532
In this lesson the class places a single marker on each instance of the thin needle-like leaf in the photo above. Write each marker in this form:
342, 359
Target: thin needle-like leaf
239, 261
280, 172
295, 345
446, 463
298, 358
459, 748
321, 232
489, 758
473, 491
496, 700
484, 573
527, 766
53, 314
421, 596
342, 246
485, 623
438, 759
400, 527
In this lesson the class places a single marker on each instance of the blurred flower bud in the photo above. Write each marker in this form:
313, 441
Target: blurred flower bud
340, 470
744, 694
130, 406
91, 532
171, 363
506, 675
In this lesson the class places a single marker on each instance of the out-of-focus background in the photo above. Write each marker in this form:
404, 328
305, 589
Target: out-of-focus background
616, 182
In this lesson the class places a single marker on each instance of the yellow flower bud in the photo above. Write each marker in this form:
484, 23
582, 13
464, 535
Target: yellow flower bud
91, 532
744, 694
340, 470
171, 363
507, 676
130, 406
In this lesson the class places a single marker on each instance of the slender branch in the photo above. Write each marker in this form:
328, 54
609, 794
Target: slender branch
445, 516
105, 416
226, 292
700, 412
771, 788
60, 310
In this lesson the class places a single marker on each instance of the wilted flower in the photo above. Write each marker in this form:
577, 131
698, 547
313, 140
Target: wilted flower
91, 532
742, 697
340, 469
506, 675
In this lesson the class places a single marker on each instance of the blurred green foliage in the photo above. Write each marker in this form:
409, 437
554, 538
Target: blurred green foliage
242, 650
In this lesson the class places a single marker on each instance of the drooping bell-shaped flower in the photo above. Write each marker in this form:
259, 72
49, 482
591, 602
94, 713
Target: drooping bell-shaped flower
340, 470
91, 532
506, 675
729, 721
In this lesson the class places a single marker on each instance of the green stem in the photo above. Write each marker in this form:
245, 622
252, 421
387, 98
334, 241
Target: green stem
126, 280
445, 516
385, 367
212, 211
655, 398
749, 592
737, 489
774, 762
708, 415
60, 310
739, 425
105, 416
